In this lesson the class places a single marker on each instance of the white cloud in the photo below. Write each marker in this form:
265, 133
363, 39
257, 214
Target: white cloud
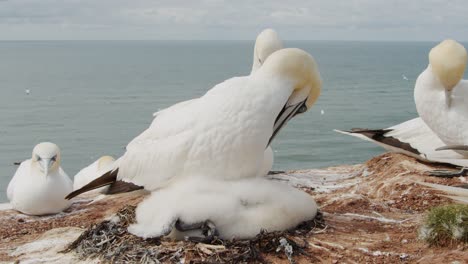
241, 19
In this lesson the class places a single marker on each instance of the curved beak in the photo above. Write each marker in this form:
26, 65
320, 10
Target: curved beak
288, 112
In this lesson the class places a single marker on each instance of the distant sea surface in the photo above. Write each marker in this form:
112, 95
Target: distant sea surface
92, 97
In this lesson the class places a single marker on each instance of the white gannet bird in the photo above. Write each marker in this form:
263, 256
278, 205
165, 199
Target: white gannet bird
93, 171
223, 134
440, 101
39, 184
267, 42
440, 94
458, 194
239, 209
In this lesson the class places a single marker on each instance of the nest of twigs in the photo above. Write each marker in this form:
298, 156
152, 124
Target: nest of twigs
109, 241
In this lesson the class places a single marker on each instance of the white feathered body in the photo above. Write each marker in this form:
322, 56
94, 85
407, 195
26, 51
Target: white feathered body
450, 124
222, 134
239, 209
31, 192
268, 155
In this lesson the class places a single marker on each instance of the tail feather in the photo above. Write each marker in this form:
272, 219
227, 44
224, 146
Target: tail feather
121, 187
106, 179
378, 135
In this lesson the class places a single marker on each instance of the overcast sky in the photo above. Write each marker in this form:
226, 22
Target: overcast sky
236, 19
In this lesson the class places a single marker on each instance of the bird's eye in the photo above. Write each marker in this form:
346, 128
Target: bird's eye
259, 61
302, 109
38, 158
54, 158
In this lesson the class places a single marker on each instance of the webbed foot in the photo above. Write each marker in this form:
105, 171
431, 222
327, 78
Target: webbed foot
207, 228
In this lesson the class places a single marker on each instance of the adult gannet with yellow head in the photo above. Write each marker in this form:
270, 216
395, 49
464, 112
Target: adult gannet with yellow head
39, 184
440, 93
267, 42
223, 134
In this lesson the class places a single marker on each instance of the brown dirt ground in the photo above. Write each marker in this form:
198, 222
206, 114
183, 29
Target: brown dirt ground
385, 189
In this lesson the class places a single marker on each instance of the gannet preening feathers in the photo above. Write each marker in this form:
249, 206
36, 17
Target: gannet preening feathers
39, 184
93, 171
225, 132
239, 209
266, 43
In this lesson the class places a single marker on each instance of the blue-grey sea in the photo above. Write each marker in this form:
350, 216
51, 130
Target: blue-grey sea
92, 97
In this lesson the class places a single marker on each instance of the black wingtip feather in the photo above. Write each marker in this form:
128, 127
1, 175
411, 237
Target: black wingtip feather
379, 135
122, 187
106, 179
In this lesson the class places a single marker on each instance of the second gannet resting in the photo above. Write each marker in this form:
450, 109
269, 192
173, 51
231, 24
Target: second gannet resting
39, 184
458, 194
266, 43
235, 209
223, 134
413, 138
93, 171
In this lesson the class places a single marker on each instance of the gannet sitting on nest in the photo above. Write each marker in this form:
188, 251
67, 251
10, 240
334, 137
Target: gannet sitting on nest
227, 129
267, 42
39, 184
225, 132
440, 100
234, 206
185, 138
235, 209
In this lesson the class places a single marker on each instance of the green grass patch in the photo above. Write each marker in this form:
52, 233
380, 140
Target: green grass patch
445, 225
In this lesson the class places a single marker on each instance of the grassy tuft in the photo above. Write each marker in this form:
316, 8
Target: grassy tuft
446, 225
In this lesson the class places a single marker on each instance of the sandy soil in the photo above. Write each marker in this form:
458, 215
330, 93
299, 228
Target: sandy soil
372, 212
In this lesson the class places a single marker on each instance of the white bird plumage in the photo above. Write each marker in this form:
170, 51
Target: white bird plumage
440, 97
440, 94
39, 184
227, 128
239, 209
267, 42
93, 171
